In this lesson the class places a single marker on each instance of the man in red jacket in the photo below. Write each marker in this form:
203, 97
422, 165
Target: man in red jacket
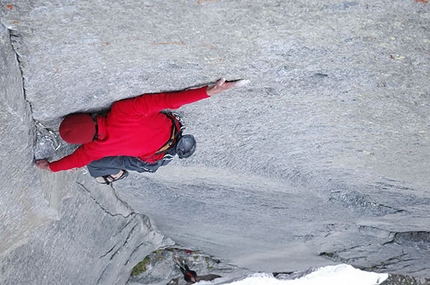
137, 134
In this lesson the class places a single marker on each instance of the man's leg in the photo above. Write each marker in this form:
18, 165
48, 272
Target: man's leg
141, 166
112, 165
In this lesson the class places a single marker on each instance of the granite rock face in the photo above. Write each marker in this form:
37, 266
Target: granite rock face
323, 158
54, 229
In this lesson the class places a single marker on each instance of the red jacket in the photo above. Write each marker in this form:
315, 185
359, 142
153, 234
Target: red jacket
133, 127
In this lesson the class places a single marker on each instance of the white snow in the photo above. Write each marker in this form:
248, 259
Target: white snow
330, 275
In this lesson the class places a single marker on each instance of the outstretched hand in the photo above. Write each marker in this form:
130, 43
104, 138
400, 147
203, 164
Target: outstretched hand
43, 164
222, 85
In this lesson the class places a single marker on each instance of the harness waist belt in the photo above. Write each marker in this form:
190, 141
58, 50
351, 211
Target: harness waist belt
175, 133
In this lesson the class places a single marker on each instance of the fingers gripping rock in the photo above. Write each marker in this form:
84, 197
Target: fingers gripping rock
240, 82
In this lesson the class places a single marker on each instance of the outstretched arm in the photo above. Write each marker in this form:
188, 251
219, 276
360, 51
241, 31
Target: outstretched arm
79, 158
151, 103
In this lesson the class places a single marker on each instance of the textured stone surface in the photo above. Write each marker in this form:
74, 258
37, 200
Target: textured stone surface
55, 230
323, 158
158, 268
23, 204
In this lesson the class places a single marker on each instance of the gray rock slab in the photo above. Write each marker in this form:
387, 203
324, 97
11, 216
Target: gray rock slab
23, 204
322, 159
54, 230
87, 245
272, 226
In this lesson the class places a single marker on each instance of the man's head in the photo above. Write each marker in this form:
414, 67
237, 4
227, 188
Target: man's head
186, 146
77, 129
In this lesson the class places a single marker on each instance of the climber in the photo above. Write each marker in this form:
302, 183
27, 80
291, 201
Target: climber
137, 134
191, 276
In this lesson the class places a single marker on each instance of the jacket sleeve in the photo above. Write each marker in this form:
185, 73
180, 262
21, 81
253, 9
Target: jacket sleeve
153, 103
77, 159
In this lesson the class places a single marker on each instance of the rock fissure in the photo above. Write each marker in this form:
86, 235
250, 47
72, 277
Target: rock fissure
132, 253
359, 202
413, 236
129, 222
115, 249
103, 208
384, 266
101, 275
125, 241
122, 201
13, 38
109, 251
392, 260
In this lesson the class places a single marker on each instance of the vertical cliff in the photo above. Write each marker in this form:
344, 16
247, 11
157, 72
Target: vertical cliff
322, 159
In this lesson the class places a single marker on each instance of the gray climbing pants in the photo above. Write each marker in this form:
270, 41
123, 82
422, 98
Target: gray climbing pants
113, 164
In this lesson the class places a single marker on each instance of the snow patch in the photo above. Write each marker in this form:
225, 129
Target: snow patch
330, 275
